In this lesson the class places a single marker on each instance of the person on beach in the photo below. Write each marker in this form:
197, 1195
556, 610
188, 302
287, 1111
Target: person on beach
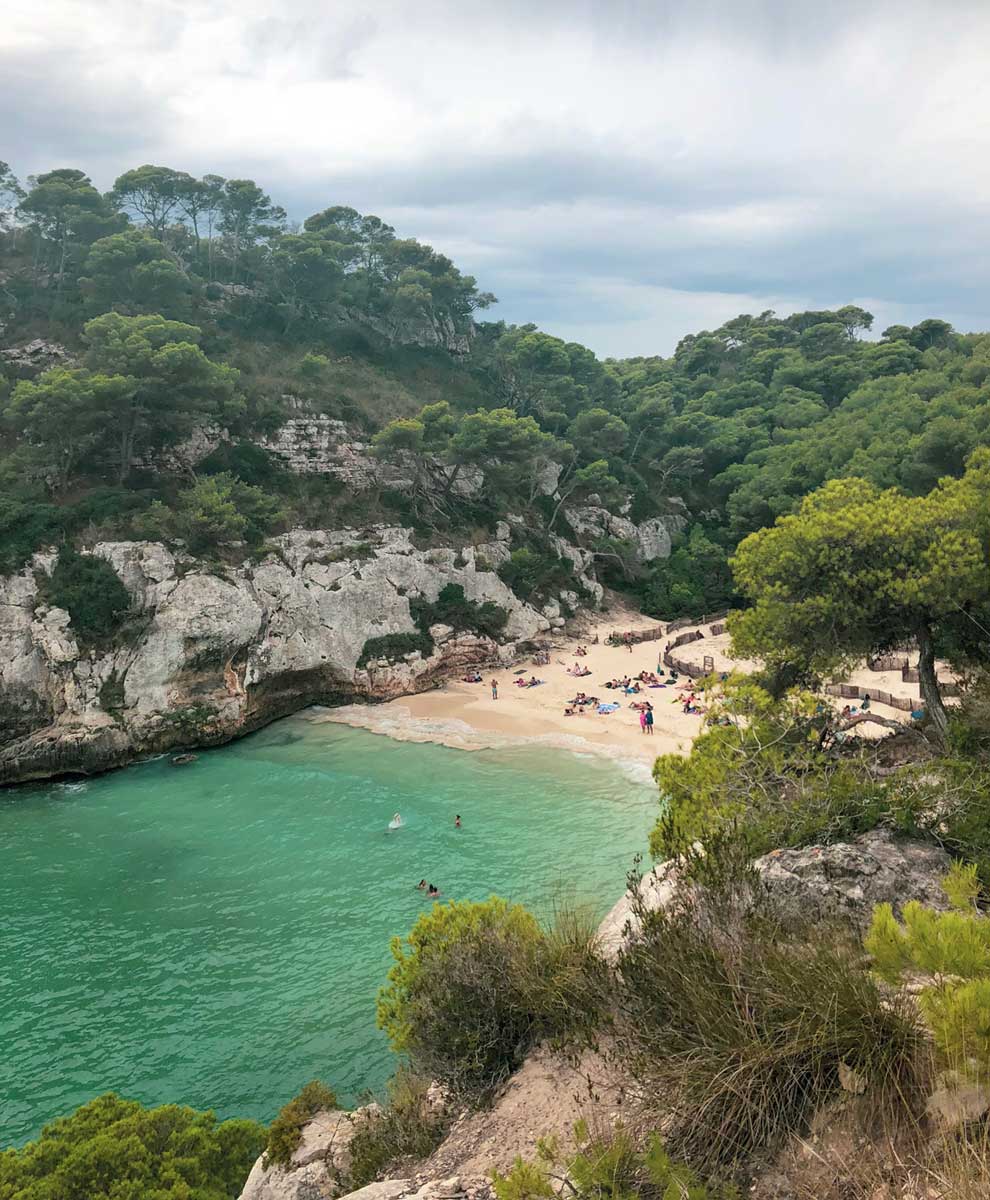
457, 821
649, 719
494, 689
642, 720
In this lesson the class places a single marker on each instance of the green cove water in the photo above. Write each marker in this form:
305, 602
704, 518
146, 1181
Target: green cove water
215, 934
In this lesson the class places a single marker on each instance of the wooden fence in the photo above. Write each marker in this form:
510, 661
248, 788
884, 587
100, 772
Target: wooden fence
684, 622
637, 635
851, 691
683, 668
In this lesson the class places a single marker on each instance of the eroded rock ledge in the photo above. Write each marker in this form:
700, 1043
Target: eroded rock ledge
207, 656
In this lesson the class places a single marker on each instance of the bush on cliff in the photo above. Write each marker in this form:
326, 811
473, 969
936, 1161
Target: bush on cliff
407, 1127
215, 511
475, 986
89, 589
286, 1130
393, 646
453, 608
737, 1032
952, 949
605, 1167
114, 1149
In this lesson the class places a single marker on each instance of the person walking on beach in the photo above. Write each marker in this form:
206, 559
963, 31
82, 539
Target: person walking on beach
494, 689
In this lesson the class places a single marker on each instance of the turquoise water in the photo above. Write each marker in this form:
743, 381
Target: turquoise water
215, 934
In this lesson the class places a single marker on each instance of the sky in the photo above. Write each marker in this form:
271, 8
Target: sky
621, 173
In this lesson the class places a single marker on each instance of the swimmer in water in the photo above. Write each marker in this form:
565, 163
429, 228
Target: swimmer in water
396, 822
433, 891
457, 821
421, 886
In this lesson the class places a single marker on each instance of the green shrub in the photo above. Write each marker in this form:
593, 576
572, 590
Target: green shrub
532, 573
114, 1149
89, 589
394, 646
475, 986
605, 1168
405, 1127
953, 950
25, 527
285, 1132
313, 367
247, 461
216, 510
762, 758
735, 1029
454, 609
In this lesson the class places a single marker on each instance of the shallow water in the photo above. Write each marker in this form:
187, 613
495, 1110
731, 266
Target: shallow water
215, 934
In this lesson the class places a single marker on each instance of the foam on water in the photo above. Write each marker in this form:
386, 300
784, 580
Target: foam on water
215, 934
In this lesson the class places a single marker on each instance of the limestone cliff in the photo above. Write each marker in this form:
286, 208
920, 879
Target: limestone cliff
208, 656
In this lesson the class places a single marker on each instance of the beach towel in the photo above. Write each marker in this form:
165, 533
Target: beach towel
605, 709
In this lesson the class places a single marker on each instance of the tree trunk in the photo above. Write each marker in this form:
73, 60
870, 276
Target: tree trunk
934, 708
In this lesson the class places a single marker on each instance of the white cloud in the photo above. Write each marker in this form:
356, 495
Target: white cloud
661, 164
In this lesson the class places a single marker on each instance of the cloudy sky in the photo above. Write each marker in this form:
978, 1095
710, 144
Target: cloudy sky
620, 172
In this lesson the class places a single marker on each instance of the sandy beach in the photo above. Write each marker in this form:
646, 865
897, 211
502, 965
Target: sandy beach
465, 715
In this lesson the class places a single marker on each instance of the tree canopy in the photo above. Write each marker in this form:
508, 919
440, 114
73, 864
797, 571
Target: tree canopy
858, 571
114, 1149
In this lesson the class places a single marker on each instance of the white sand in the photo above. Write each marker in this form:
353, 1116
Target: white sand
466, 716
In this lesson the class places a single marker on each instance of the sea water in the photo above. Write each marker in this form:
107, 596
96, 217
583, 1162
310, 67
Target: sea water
215, 934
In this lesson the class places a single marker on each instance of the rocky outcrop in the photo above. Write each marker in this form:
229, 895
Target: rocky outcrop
650, 539
842, 881
317, 1163
206, 656
847, 879
34, 357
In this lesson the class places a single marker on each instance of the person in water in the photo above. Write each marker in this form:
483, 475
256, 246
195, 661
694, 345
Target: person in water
421, 886
457, 821
432, 891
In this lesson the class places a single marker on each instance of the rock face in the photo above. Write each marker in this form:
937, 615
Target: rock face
34, 357
207, 657
817, 883
314, 1170
650, 539
848, 878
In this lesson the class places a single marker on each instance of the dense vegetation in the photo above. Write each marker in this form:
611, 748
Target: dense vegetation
475, 986
187, 301
186, 304
113, 1149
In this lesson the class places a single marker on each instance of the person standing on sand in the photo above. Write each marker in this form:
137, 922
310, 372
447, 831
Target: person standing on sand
642, 720
494, 689
649, 720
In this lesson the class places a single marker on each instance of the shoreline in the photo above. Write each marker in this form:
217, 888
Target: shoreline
396, 721
465, 716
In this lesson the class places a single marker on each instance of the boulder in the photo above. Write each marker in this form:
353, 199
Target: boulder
817, 883
316, 1165
34, 357
847, 879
